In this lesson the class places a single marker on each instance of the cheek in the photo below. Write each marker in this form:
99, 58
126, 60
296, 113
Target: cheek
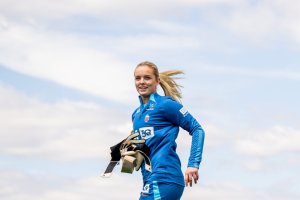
153, 85
136, 83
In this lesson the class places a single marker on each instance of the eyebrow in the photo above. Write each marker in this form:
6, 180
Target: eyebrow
146, 75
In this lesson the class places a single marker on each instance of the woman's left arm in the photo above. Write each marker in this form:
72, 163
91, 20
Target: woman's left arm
195, 155
178, 115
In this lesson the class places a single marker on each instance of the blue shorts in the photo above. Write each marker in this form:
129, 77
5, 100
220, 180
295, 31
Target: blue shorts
161, 191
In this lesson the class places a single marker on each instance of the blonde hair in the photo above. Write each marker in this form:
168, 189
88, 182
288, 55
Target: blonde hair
167, 81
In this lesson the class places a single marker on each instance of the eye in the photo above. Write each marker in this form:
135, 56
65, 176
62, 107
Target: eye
137, 78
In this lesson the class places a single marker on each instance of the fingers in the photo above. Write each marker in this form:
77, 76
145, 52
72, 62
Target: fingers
132, 139
132, 136
136, 142
190, 175
188, 179
195, 177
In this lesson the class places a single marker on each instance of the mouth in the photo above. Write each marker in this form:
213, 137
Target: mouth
143, 89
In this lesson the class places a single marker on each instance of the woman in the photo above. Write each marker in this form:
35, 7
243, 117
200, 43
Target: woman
157, 120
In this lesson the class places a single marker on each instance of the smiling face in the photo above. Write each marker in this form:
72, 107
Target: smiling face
145, 81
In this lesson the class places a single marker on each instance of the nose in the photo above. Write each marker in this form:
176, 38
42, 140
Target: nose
142, 80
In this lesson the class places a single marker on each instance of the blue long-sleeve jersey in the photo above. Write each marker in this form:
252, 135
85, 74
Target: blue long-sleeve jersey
158, 122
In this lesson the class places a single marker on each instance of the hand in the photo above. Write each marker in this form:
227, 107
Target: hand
190, 174
131, 140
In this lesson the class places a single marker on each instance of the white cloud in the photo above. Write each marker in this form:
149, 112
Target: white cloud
90, 64
132, 8
219, 191
264, 20
215, 136
16, 185
64, 130
270, 142
258, 20
254, 164
280, 74
65, 59
93, 63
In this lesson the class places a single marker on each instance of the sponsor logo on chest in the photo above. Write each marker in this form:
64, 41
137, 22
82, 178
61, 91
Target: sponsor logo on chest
146, 132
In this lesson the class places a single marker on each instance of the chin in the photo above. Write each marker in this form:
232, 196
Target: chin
144, 94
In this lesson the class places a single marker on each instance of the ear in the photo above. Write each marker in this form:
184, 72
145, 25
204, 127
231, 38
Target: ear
158, 82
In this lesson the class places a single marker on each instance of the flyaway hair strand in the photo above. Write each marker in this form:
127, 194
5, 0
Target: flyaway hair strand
169, 85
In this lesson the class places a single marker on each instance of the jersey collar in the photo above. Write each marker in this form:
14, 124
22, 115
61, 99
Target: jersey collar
151, 101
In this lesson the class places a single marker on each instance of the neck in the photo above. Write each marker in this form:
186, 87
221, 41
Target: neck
145, 99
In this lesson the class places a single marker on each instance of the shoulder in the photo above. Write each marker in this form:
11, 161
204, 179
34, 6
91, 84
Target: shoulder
162, 99
169, 101
168, 104
137, 110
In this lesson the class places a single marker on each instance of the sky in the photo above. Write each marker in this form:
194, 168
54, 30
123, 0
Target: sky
67, 94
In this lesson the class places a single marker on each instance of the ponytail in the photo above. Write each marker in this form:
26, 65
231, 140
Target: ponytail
169, 85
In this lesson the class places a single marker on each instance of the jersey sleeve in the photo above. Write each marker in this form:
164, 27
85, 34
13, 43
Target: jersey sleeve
133, 114
179, 116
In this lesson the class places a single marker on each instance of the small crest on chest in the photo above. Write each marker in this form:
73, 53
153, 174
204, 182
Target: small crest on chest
147, 118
